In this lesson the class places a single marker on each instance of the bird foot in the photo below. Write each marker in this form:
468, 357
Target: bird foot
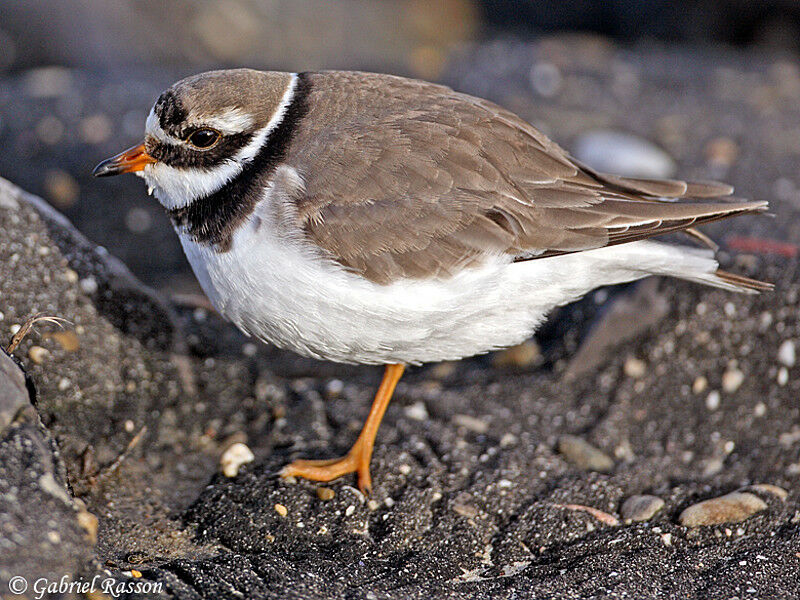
355, 461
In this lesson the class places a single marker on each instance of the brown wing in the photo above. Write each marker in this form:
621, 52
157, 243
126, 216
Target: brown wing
409, 179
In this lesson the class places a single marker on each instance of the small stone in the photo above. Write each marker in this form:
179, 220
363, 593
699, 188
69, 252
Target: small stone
89, 285
732, 379
730, 508
373, 505
768, 488
787, 354
722, 152
469, 422
521, 356
713, 400
89, 524
404, 469
281, 510
783, 376
624, 154
417, 411
63, 384
68, 340
583, 455
546, 79
138, 220
95, 129
61, 188
508, 440
700, 384
38, 354
349, 510
234, 457
635, 368
325, 493
334, 388
760, 409
641, 508
70, 276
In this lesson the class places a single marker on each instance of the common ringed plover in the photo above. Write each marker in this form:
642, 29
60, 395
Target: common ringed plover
366, 218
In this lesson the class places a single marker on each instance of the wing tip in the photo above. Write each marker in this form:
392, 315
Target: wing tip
744, 284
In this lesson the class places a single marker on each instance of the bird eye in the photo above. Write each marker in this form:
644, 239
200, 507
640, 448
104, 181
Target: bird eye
203, 138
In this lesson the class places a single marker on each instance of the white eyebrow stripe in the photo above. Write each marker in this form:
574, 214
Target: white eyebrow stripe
233, 120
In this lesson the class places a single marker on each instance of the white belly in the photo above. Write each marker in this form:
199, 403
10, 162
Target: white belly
278, 289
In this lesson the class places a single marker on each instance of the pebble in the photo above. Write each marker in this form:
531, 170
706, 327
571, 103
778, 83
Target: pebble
234, 457
68, 340
700, 384
325, 493
713, 400
95, 129
641, 508
472, 423
89, 285
583, 455
768, 488
417, 411
722, 152
138, 220
281, 510
787, 355
546, 79
783, 376
349, 510
732, 379
623, 153
61, 188
635, 368
521, 356
38, 354
730, 508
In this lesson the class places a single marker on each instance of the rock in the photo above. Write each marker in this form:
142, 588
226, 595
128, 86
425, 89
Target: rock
583, 455
641, 508
623, 153
43, 528
634, 367
732, 379
787, 354
234, 457
730, 508
768, 488
521, 356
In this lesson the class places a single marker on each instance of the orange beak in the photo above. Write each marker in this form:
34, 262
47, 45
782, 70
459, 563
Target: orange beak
131, 160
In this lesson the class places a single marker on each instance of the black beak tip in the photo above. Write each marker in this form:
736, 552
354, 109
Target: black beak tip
105, 169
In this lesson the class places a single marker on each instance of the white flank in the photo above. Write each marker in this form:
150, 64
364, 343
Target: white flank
275, 285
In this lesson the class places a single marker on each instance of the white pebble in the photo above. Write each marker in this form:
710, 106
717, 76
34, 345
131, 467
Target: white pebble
89, 285
712, 400
417, 411
349, 510
234, 457
624, 154
787, 354
732, 379
546, 79
783, 376
760, 409
64, 384
404, 469
249, 349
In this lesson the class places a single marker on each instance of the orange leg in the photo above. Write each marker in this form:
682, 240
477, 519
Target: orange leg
357, 459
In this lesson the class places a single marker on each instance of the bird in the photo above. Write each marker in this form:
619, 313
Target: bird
374, 219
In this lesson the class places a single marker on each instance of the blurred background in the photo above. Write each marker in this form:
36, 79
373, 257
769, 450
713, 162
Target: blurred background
77, 78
